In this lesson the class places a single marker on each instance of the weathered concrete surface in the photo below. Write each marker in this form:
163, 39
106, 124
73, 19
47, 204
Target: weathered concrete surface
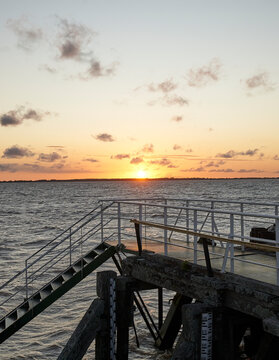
231, 291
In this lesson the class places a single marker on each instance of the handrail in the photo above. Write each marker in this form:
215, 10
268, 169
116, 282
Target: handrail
262, 247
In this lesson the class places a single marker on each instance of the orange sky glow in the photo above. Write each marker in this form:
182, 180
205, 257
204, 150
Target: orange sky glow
180, 89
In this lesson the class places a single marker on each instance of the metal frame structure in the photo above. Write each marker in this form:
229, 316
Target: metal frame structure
110, 222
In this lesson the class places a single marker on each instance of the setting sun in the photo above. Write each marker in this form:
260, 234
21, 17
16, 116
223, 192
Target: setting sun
141, 174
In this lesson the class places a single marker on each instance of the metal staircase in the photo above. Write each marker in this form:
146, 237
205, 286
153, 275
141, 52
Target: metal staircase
53, 290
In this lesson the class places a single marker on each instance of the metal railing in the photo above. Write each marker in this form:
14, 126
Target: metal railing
110, 221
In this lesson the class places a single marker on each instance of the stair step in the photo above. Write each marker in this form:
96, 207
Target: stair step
77, 268
21, 311
33, 302
9, 321
98, 251
67, 276
88, 259
56, 284
44, 294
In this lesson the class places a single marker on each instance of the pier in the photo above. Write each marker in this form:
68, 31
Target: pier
225, 282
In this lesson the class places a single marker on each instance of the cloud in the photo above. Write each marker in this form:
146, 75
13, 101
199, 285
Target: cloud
189, 150
15, 152
177, 147
177, 118
198, 169
73, 40
136, 160
250, 171
120, 156
165, 86
276, 157
228, 170
202, 76
215, 163
175, 100
96, 69
16, 117
231, 153
49, 157
260, 80
104, 137
148, 148
91, 160
47, 68
163, 162
27, 35
8, 167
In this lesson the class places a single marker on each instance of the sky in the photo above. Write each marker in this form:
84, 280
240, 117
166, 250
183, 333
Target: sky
135, 89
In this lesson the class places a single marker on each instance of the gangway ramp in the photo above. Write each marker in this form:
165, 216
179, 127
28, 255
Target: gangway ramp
54, 289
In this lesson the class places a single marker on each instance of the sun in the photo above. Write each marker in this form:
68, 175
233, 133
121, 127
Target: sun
141, 174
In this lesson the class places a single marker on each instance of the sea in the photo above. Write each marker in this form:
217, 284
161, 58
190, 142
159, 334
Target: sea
33, 213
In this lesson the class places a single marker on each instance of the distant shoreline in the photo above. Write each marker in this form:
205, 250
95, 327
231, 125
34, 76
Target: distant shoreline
137, 179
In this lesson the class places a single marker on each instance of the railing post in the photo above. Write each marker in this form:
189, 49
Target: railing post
187, 220
26, 280
102, 223
212, 225
165, 231
119, 223
70, 246
276, 210
242, 225
232, 245
195, 237
140, 219
277, 244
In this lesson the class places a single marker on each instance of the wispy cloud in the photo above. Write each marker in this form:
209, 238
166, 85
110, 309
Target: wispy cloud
120, 156
276, 157
15, 152
96, 69
48, 68
165, 86
16, 117
54, 156
148, 148
27, 35
91, 160
202, 76
232, 153
73, 40
260, 81
104, 137
175, 100
163, 162
176, 147
136, 160
177, 118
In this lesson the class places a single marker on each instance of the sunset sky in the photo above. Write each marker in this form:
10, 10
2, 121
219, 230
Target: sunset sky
146, 88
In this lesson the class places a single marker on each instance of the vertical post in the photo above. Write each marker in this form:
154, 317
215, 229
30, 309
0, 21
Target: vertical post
70, 246
276, 210
277, 244
103, 340
212, 225
140, 219
124, 315
138, 238
26, 280
119, 223
102, 223
160, 307
242, 225
195, 237
165, 230
231, 245
187, 220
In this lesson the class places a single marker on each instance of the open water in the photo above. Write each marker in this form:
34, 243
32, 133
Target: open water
32, 213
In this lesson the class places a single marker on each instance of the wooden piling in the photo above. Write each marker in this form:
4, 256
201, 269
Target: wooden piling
124, 315
85, 333
102, 345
